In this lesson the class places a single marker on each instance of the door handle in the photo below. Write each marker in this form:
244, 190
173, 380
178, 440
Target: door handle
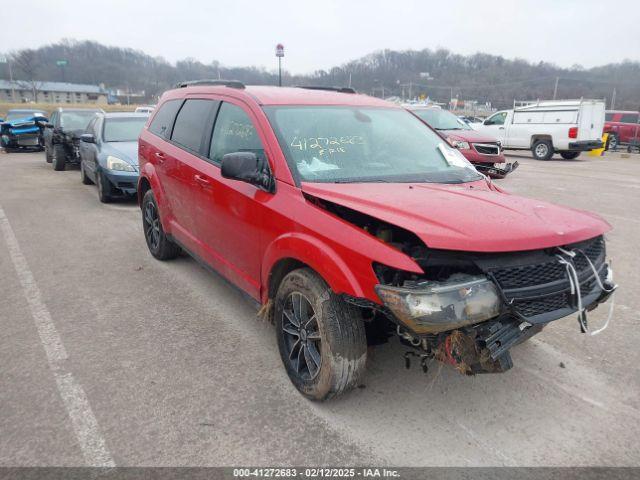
501, 128
202, 181
159, 157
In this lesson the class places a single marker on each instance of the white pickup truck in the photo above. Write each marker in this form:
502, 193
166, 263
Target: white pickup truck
567, 127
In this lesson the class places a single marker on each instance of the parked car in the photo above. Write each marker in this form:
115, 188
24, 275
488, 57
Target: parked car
342, 214
480, 149
62, 135
109, 154
145, 109
567, 127
22, 129
622, 127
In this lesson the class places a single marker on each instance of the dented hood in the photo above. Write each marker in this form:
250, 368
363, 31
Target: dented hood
473, 217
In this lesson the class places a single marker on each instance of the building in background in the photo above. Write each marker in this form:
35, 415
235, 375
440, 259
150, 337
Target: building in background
24, 91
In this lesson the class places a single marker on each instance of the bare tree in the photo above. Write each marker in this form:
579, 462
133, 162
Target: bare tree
28, 64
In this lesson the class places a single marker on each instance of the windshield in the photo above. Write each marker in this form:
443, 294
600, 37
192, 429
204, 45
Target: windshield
441, 119
364, 144
77, 120
123, 129
11, 116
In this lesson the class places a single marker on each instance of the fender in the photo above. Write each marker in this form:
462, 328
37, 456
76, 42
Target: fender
317, 254
148, 172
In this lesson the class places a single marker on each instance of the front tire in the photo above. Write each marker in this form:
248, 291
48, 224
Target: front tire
612, 142
542, 150
59, 158
160, 246
47, 154
105, 190
321, 338
569, 155
83, 175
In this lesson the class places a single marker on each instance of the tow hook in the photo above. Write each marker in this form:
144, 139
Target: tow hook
495, 172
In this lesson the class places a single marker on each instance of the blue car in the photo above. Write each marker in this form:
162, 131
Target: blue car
23, 129
109, 154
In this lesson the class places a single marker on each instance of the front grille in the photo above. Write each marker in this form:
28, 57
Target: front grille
487, 148
544, 287
551, 271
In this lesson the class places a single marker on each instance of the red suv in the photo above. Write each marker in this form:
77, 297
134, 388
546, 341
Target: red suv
349, 220
622, 127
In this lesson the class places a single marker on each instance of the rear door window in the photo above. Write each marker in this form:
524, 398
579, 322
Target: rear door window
192, 121
234, 132
629, 118
163, 121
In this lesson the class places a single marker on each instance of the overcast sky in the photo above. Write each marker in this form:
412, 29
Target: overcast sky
321, 34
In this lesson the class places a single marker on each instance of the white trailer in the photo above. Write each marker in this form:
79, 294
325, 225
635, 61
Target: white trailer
567, 127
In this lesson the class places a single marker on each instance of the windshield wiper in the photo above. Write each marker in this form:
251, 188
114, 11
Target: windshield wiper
360, 180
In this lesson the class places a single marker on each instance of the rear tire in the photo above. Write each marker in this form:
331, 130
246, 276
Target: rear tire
321, 338
569, 155
542, 150
59, 158
160, 246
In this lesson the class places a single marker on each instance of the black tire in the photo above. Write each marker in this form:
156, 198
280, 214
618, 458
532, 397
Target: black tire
83, 175
105, 190
612, 142
542, 150
47, 154
59, 158
160, 246
334, 333
569, 155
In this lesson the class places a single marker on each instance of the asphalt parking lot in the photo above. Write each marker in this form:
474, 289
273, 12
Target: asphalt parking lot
111, 357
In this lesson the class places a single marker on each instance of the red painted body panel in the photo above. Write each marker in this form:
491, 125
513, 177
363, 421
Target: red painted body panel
627, 131
242, 231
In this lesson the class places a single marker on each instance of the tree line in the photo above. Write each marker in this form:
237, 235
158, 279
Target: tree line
437, 74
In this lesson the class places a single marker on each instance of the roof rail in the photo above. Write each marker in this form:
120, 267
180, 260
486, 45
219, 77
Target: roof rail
331, 89
222, 83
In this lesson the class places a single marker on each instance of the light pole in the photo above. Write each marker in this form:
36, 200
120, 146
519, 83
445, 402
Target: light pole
279, 54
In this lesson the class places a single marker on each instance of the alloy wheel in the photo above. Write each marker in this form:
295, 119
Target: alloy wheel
301, 336
152, 225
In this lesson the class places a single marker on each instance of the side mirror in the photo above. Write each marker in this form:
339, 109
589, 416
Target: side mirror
87, 138
246, 167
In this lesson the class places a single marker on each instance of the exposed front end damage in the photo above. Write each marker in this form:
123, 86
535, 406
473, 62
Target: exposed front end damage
469, 309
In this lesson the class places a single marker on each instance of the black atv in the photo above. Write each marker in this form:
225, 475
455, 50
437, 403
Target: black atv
62, 135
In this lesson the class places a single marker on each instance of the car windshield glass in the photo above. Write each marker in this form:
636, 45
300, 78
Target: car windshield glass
11, 116
123, 129
76, 120
441, 119
364, 144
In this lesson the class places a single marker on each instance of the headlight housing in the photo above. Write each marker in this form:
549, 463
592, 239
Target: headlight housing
460, 144
115, 163
434, 307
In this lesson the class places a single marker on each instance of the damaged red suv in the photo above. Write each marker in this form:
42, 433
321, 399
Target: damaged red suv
348, 220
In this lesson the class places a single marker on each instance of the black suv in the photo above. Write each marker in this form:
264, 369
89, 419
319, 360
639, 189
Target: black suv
62, 135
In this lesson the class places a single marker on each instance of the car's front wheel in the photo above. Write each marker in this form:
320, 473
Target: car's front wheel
59, 158
47, 154
83, 175
160, 246
321, 338
105, 190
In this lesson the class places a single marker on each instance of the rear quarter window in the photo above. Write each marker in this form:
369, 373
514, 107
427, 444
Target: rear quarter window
191, 123
163, 120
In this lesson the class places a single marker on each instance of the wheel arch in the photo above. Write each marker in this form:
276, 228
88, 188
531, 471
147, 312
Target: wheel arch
535, 138
297, 250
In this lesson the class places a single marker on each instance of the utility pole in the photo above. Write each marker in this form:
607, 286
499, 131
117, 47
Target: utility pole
613, 99
555, 89
279, 54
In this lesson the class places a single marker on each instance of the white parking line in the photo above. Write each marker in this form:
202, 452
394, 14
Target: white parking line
73, 396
